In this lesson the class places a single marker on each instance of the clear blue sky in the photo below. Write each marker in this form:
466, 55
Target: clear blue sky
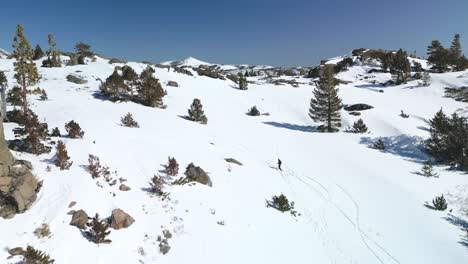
283, 33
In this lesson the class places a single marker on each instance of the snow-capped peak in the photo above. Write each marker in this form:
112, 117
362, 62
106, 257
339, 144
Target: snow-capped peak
189, 61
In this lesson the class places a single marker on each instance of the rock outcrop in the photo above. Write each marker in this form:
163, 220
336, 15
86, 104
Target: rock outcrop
119, 219
18, 187
195, 173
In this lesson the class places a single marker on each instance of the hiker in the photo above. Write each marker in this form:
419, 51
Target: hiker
279, 164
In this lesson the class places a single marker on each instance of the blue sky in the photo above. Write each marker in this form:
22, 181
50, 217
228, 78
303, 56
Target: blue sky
283, 33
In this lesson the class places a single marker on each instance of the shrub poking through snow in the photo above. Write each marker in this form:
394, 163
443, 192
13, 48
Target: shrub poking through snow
426, 79
402, 114
164, 242
98, 230
282, 204
55, 132
129, 121
439, 203
428, 170
196, 112
32, 133
44, 96
359, 127
152, 92
243, 84
172, 167
379, 144
74, 130
253, 111
43, 231
157, 186
94, 166
62, 160
35, 256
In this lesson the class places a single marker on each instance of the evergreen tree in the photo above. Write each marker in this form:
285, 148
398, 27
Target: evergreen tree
400, 67
130, 77
439, 203
242, 81
359, 127
426, 79
3, 87
113, 86
33, 133
152, 92
326, 105
34, 256
62, 160
98, 230
379, 144
146, 73
172, 167
53, 56
253, 111
455, 50
129, 121
38, 52
438, 56
25, 68
84, 51
428, 170
196, 112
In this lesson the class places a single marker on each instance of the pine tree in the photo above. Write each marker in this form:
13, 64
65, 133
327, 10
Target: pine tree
428, 170
62, 160
196, 112
152, 92
438, 56
242, 82
53, 56
455, 50
172, 167
33, 133
326, 105
400, 68
38, 52
130, 77
84, 51
3, 102
379, 144
359, 127
129, 121
426, 79
253, 111
74, 130
25, 68
113, 85
146, 73
98, 230
439, 203
34, 256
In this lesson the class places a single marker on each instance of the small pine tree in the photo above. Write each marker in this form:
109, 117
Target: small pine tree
152, 92
326, 105
157, 185
62, 160
428, 170
3, 99
25, 68
129, 121
438, 56
439, 203
243, 84
38, 52
172, 167
33, 133
53, 56
359, 127
402, 114
98, 230
253, 111
113, 85
84, 51
74, 130
94, 166
130, 77
426, 79
196, 112
379, 144
282, 204
55, 132
400, 67
35, 256
146, 73
455, 50
44, 96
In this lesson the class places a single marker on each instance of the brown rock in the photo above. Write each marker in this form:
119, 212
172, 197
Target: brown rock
17, 251
197, 174
124, 188
79, 219
119, 219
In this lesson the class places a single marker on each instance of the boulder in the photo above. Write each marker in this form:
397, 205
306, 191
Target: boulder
355, 113
231, 160
172, 84
79, 219
76, 79
17, 251
195, 173
124, 188
119, 219
357, 107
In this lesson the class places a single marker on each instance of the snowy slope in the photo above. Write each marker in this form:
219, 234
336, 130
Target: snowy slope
357, 205
190, 61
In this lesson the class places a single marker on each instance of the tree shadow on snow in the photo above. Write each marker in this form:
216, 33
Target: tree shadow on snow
461, 223
410, 147
292, 126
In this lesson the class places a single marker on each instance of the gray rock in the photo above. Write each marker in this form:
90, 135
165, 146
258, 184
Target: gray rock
357, 107
76, 79
119, 219
79, 219
172, 84
231, 160
17, 251
73, 203
195, 173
